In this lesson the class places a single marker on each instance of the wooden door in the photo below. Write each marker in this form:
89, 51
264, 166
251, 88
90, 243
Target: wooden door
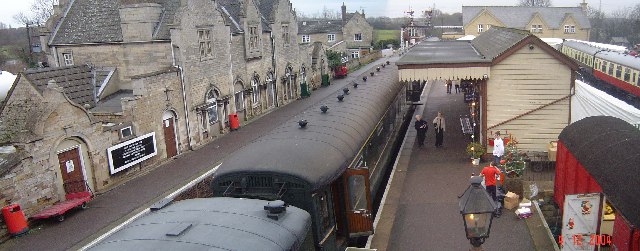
170, 137
358, 202
71, 170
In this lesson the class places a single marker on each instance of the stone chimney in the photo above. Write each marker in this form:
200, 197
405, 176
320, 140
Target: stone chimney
344, 13
138, 19
584, 6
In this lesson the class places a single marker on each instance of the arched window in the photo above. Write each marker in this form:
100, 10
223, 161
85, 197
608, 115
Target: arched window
271, 87
238, 95
212, 106
255, 91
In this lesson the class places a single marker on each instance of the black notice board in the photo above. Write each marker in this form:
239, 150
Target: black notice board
131, 152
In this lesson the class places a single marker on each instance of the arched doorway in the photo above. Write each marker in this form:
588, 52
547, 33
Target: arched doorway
170, 135
304, 89
271, 90
288, 83
238, 95
72, 160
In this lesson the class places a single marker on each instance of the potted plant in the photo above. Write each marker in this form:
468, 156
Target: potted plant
475, 150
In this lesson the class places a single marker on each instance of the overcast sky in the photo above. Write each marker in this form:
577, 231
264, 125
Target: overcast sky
390, 8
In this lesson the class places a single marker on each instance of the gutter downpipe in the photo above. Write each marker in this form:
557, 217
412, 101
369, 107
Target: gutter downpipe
184, 97
275, 70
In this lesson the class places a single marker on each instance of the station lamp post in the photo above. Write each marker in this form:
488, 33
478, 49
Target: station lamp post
477, 208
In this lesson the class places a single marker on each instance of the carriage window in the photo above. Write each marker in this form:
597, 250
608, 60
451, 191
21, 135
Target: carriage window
619, 71
357, 192
611, 69
627, 75
603, 66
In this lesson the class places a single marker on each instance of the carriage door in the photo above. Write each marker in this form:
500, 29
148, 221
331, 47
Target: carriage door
358, 202
71, 170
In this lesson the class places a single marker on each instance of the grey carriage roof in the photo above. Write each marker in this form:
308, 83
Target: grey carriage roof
216, 224
620, 58
320, 152
77, 82
519, 17
581, 46
98, 21
607, 148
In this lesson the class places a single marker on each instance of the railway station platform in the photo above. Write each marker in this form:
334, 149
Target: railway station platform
420, 208
114, 207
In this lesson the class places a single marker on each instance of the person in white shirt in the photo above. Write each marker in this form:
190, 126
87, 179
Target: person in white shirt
498, 148
439, 125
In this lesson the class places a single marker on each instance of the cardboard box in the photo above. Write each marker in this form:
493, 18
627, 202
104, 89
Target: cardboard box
511, 200
552, 150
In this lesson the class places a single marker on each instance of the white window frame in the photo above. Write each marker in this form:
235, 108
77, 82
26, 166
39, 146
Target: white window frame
255, 92
480, 28
239, 99
566, 29
306, 39
205, 45
355, 54
572, 29
331, 38
357, 37
68, 58
536, 28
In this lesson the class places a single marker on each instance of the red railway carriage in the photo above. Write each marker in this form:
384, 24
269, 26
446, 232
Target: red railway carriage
601, 155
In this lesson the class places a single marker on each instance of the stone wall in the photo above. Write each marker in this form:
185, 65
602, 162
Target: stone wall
357, 24
129, 59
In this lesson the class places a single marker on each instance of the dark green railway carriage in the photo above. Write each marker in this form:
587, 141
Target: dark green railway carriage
331, 167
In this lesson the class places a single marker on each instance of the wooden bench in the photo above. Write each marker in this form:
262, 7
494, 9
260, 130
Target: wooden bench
466, 125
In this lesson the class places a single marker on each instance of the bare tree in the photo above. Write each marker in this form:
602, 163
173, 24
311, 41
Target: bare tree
41, 10
535, 3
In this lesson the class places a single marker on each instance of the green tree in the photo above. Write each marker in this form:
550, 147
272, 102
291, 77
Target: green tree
334, 58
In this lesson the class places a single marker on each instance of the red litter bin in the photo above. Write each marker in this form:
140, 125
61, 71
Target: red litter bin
14, 218
233, 121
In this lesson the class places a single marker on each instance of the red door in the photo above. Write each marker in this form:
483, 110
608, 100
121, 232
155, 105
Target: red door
358, 202
71, 170
170, 137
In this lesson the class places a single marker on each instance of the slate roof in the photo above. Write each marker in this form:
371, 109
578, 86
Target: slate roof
607, 148
442, 52
112, 103
268, 8
319, 26
98, 21
76, 81
519, 17
497, 40
231, 10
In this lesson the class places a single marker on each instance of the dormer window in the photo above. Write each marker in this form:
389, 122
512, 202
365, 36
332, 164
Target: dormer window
253, 38
68, 59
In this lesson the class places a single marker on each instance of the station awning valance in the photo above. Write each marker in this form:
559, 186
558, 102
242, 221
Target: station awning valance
445, 73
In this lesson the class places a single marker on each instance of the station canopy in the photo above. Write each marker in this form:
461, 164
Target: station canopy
461, 59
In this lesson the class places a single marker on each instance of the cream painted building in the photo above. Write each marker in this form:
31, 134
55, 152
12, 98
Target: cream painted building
521, 84
543, 22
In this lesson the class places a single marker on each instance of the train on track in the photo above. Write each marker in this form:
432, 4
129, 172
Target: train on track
328, 162
616, 68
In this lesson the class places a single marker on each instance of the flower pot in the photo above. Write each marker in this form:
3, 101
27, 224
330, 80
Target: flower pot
475, 161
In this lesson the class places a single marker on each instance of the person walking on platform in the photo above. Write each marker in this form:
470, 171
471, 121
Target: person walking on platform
457, 85
498, 148
448, 83
439, 125
421, 127
489, 173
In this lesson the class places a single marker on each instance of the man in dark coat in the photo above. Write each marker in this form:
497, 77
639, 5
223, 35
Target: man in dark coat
421, 127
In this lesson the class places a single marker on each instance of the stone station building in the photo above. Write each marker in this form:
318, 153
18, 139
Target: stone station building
134, 83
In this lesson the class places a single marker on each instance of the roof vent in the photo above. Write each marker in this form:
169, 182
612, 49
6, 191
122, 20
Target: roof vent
303, 123
275, 208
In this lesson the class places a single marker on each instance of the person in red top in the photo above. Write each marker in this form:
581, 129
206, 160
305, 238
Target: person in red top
489, 173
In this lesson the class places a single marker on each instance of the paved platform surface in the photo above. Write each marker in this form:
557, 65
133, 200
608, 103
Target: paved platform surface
420, 211
113, 207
